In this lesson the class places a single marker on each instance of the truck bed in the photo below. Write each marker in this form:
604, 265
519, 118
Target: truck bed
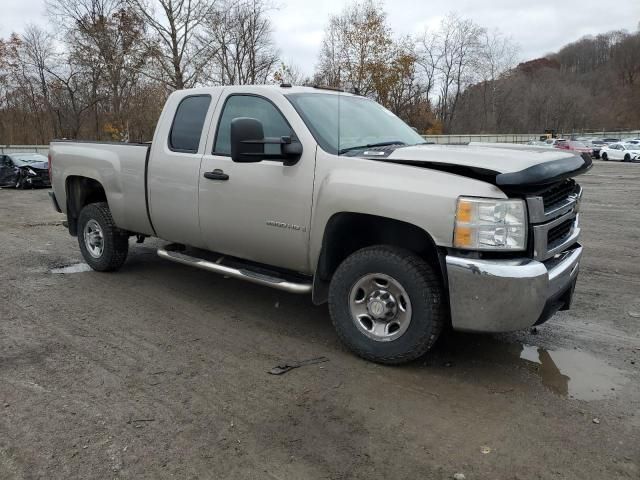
119, 167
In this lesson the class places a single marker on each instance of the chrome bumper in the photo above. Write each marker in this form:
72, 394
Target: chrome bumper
507, 295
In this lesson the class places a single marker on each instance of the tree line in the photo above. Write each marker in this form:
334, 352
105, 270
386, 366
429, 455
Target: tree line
589, 85
108, 69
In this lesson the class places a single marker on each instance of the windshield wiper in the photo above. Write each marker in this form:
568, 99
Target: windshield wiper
369, 145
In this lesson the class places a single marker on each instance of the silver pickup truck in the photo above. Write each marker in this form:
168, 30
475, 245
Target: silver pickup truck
310, 190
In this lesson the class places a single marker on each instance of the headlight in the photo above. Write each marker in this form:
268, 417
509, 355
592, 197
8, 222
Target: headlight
490, 224
31, 172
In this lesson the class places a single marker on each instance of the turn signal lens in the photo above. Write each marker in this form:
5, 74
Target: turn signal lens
490, 224
464, 212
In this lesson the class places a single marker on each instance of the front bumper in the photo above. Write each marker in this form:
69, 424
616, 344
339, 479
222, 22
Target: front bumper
37, 181
507, 295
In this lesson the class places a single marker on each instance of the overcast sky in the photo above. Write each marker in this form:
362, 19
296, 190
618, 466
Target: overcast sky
538, 26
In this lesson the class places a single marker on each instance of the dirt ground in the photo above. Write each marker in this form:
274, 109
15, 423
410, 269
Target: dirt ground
160, 370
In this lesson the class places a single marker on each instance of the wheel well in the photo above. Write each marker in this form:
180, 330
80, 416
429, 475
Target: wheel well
81, 191
346, 233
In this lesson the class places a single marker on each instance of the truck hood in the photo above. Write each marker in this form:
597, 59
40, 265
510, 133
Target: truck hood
501, 164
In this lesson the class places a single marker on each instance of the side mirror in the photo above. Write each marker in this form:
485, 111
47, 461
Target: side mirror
247, 140
291, 152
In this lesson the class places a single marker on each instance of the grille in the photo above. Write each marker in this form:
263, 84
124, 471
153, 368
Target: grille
558, 194
559, 233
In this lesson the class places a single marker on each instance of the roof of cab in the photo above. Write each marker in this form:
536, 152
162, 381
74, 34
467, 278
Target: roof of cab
284, 89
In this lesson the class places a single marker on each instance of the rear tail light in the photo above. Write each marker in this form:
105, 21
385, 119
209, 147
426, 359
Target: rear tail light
49, 157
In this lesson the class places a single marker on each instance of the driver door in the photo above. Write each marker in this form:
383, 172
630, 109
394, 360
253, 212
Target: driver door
258, 211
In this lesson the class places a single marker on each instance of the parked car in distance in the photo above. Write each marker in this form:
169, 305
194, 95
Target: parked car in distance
596, 146
611, 140
575, 146
620, 151
554, 142
23, 170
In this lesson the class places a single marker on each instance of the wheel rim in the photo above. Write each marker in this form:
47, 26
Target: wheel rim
380, 307
94, 238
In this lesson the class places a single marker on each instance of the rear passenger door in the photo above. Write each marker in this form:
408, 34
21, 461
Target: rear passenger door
174, 167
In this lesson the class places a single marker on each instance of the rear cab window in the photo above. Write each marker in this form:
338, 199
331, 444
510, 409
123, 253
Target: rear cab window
188, 123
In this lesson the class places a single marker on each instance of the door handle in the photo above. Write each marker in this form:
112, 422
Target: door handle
217, 174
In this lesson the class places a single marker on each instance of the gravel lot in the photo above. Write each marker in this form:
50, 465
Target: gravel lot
160, 371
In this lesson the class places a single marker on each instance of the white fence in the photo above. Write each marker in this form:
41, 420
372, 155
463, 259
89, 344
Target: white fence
442, 139
525, 137
43, 149
504, 138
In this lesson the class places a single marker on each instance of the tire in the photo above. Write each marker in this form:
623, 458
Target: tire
627, 158
95, 222
424, 304
20, 183
605, 157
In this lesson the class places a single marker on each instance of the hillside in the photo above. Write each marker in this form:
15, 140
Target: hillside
591, 84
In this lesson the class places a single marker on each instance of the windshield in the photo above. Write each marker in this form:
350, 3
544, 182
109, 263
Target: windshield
341, 122
22, 159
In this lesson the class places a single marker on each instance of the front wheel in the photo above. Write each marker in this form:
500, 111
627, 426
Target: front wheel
103, 245
20, 182
387, 304
627, 158
605, 157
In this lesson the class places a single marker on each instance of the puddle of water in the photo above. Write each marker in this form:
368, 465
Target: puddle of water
76, 268
574, 373
565, 372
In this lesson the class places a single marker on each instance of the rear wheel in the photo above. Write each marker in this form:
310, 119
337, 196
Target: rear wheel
103, 245
387, 304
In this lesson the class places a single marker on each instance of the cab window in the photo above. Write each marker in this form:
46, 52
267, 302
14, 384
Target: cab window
188, 122
251, 106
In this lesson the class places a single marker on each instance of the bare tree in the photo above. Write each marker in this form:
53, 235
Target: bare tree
458, 43
428, 57
33, 59
69, 89
238, 39
107, 40
626, 58
180, 61
496, 55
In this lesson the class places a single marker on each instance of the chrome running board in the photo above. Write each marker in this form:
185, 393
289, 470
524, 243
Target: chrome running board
241, 273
